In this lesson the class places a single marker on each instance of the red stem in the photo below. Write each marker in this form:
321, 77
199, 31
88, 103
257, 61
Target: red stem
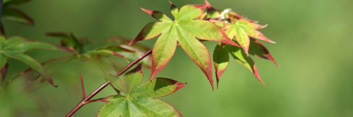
87, 99
83, 87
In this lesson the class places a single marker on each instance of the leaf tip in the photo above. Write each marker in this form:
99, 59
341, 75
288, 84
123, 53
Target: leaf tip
208, 5
147, 11
179, 85
257, 75
171, 3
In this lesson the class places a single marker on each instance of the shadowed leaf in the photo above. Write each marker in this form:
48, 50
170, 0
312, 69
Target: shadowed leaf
220, 60
16, 15
258, 49
239, 55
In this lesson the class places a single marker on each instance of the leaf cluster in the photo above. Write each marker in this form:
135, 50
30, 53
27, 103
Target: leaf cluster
235, 37
192, 24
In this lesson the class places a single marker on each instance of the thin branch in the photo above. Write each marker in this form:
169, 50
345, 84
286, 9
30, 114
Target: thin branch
87, 99
83, 87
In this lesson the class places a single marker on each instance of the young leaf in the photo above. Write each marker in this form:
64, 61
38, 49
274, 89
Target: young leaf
242, 38
185, 29
251, 29
239, 55
139, 101
220, 60
16, 15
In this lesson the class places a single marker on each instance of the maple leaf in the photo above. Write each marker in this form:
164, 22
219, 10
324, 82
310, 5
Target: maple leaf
140, 99
183, 30
221, 57
221, 60
14, 48
241, 29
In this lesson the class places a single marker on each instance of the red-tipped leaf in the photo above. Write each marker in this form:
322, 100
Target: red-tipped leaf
259, 50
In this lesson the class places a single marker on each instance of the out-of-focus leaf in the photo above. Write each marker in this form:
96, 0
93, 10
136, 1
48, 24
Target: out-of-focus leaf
184, 30
22, 47
239, 55
15, 47
2, 41
3, 58
131, 53
129, 82
16, 15
67, 40
139, 101
13, 98
220, 60
27, 60
12, 42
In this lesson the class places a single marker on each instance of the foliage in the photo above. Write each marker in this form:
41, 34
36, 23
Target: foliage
192, 24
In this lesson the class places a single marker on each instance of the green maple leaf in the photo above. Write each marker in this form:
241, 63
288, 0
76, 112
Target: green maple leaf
183, 30
14, 48
140, 100
222, 52
242, 30
221, 60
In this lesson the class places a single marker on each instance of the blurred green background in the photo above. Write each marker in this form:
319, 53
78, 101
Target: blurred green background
313, 49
